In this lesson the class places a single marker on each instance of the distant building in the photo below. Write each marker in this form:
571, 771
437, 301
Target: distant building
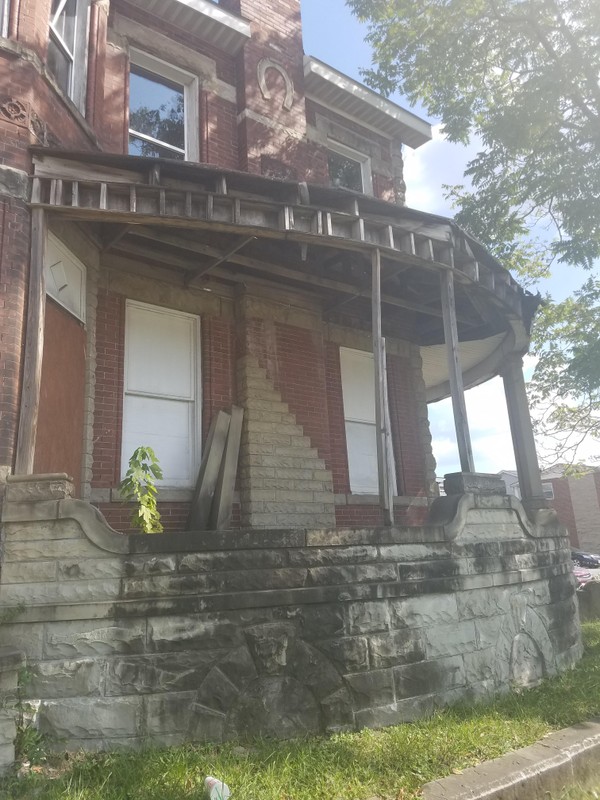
575, 499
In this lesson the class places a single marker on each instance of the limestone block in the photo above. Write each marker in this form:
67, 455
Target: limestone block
33, 488
27, 637
487, 603
481, 665
29, 572
328, 556
257, 580
396, 647
427, 677
318, 621
217, 692
54, 679
149, 674
396, 713
227, 560
413, 552
167, 634
59, 592
90, 568
474, 483
42, 550
7, 757
489, 630
73, 639
337, 712
350, 654
363, 573
367, 617
91, 717
374, 688
424, 611
169, 714
46, 530
448, 640
206, 725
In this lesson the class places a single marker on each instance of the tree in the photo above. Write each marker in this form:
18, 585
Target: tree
522, 77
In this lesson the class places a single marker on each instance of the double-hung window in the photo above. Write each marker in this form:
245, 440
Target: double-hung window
349, 169
358, 392
161, 407
67, 47
163, 109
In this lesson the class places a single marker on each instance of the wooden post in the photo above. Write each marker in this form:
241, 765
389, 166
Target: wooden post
457, 389
383, 457
528, 469
34, 347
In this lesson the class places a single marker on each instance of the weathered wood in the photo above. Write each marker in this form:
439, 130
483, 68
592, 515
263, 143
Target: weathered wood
457, 390
217, 262
383, 460
214, 449
222, 507
114, 237
34, 347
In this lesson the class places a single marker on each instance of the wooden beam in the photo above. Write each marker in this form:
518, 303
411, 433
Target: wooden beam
383, 459
283, 272
198, 273
222, 506
114, 237
34, 347
198, 518
457, 390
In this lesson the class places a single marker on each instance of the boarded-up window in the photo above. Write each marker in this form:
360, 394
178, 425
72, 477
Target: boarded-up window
161, 405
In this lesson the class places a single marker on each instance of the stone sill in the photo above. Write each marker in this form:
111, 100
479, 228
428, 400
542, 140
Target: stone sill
402, 501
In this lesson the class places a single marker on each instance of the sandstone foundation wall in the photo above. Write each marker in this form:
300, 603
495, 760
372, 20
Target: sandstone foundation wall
209, 636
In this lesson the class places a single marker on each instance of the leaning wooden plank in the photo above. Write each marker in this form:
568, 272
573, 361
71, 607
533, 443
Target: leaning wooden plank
222, 506
209, 473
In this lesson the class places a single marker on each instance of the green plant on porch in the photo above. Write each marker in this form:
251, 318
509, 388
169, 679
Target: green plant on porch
139, 486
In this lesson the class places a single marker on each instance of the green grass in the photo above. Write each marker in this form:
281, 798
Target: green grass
391, 763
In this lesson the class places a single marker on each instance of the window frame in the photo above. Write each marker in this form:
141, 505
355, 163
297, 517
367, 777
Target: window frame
351, 353
4, 17
354, 155
191, 107
548, 489
195, 402
77, 88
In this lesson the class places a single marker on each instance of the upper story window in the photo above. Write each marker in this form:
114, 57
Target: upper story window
67, 47
163, 109
4, 14
349, 169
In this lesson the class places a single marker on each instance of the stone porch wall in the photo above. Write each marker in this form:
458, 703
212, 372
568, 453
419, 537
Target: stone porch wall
209, 636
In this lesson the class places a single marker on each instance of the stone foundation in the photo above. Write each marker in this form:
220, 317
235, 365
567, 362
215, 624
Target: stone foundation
210, 636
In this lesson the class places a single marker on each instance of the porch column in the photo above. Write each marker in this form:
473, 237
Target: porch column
457, 390
528, 470
34, 347
386, 490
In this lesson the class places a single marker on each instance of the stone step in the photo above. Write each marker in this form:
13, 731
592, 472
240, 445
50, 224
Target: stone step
284, 462
274, 439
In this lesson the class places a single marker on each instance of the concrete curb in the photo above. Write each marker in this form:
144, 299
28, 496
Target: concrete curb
560, 760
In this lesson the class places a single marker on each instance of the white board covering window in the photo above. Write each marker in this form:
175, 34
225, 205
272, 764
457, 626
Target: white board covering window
4, 16
65, 277
358, 392
161, 403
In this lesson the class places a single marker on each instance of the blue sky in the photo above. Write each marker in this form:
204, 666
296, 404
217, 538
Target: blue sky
336, 37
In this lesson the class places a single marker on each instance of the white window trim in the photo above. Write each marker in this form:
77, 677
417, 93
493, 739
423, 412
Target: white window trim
196, 443
78, 58
4, 17
69, 256
355, 155
191, 88
361, 490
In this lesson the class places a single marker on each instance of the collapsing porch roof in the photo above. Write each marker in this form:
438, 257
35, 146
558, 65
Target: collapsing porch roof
204, 223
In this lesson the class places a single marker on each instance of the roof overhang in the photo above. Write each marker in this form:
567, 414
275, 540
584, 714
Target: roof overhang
340, 93
201, 18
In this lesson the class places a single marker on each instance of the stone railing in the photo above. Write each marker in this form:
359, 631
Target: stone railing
208, 636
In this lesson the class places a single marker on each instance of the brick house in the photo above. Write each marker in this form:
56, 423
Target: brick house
576, 500
196, 214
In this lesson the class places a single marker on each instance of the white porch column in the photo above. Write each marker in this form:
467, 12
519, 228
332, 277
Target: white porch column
528, 470
457, 389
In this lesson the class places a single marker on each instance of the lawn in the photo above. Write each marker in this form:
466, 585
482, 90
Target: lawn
391, 763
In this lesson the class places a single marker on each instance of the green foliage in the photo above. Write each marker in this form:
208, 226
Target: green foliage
31, 745
139, 485
390, 763
521, 77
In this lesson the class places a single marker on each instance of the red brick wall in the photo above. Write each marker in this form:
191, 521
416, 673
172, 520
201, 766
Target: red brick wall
218, 365
563, 506
108, 405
